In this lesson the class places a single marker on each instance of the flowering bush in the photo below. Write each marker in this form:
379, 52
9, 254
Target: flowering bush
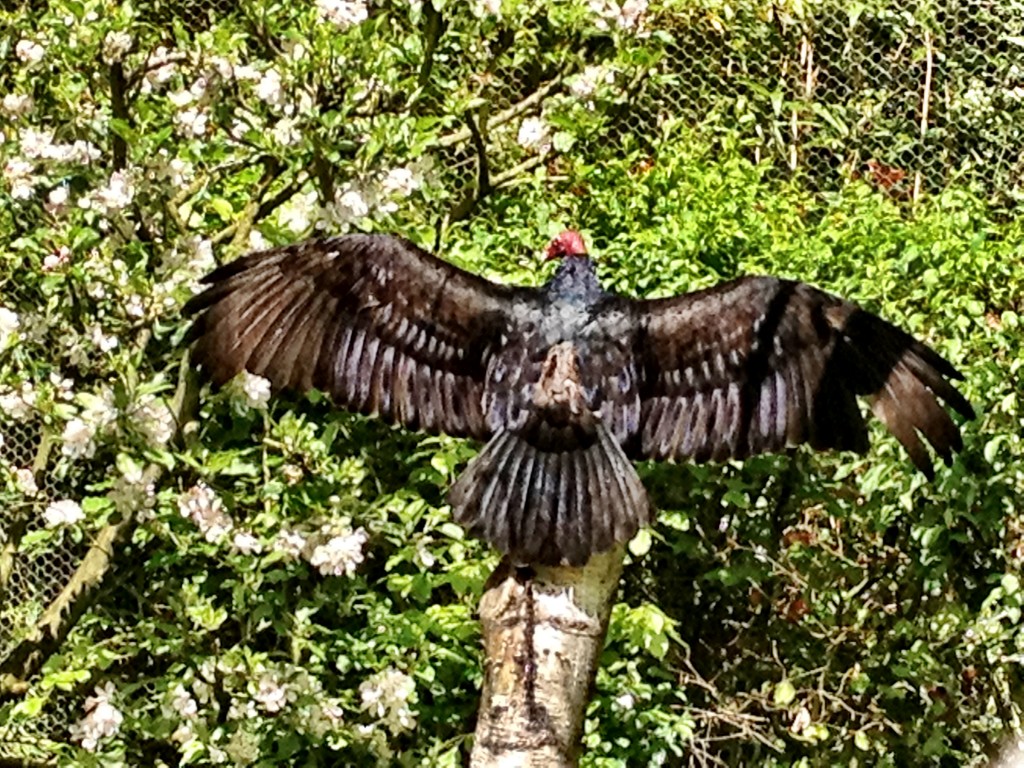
282, 583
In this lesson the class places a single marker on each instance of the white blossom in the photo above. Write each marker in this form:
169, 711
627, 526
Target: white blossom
350, 204
29, 51
116, 44
36, 144
290, 543
18, 403
533, 133
487, 8
625, 701
78, 439
298, 213
117, 194
57, 202
340, 554
132, 492
400, 181
192, 121
102, 719
271, 694
285, 132
252, 390
160, 68
629, 15
63, 512
343, 13
269, 88
183, 703
204, 508
386, 696
180, 99
585, 84
100, 340
25, 480
18, 174
154, 419
257, 242
9, 324
17, 104
246, 543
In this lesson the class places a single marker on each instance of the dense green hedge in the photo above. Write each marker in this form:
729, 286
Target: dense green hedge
293, 591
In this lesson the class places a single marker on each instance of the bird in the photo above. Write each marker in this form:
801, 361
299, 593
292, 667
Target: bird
568, 384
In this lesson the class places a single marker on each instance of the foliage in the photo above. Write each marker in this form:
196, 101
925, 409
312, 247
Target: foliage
293, 590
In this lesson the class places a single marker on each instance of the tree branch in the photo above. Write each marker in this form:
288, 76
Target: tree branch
543, 632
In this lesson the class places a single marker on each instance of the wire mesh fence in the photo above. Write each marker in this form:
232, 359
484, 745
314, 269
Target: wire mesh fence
908, 97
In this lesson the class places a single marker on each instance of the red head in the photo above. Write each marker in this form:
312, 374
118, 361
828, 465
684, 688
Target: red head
569, 243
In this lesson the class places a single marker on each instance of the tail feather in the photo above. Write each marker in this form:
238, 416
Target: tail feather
551, 507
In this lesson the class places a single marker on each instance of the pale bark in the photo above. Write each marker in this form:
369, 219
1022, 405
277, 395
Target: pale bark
543, 631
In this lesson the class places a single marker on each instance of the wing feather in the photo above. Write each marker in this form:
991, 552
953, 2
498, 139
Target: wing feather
759, 364
377, 323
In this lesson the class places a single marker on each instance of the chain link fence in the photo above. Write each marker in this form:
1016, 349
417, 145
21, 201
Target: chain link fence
908, 97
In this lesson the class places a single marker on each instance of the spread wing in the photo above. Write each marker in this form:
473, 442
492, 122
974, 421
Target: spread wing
758, 364
380, 325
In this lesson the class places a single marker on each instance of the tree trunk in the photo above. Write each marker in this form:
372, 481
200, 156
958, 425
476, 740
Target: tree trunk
543, 631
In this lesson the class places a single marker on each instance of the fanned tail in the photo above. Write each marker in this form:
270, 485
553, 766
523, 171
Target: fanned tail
551, 507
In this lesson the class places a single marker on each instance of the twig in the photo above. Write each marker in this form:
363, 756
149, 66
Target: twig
505, 115
925, 103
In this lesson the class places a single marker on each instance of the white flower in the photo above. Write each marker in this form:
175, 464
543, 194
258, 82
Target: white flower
269, 87
180, 98
78, 439
102, 719
204, 508
183, 703
154, 419
25, 479
350, 204
270, 694
117, 194
57, 202
115, 45
16, 104
36, 144
246, 543
29, 51
487, 8
339, 554
585, 84
299, 211
628, 16
18, 403
257, 242
625, 701
253, 390
18, 174
533, 133
160, 68
9, 324
290, 543
400, 181
343, 13
101, 340
192, 121
64, 512
285, 133
386, 695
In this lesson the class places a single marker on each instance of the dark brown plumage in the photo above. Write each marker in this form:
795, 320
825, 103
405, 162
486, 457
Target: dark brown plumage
569, 383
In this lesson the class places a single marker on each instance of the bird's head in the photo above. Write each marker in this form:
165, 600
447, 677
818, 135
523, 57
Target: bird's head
569, 243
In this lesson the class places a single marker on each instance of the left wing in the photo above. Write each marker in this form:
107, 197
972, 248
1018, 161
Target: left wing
759, 364
380, 325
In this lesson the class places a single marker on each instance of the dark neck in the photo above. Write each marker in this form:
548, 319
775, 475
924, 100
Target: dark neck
575, 278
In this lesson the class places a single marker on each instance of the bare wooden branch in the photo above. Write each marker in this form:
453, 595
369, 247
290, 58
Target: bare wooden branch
543, 630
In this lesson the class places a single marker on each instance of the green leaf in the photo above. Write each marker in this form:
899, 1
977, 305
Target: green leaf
784, 693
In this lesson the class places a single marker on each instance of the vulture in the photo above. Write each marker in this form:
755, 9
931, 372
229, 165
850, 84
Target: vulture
567, 384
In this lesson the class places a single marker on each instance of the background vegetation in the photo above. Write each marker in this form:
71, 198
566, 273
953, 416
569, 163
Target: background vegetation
243, 582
